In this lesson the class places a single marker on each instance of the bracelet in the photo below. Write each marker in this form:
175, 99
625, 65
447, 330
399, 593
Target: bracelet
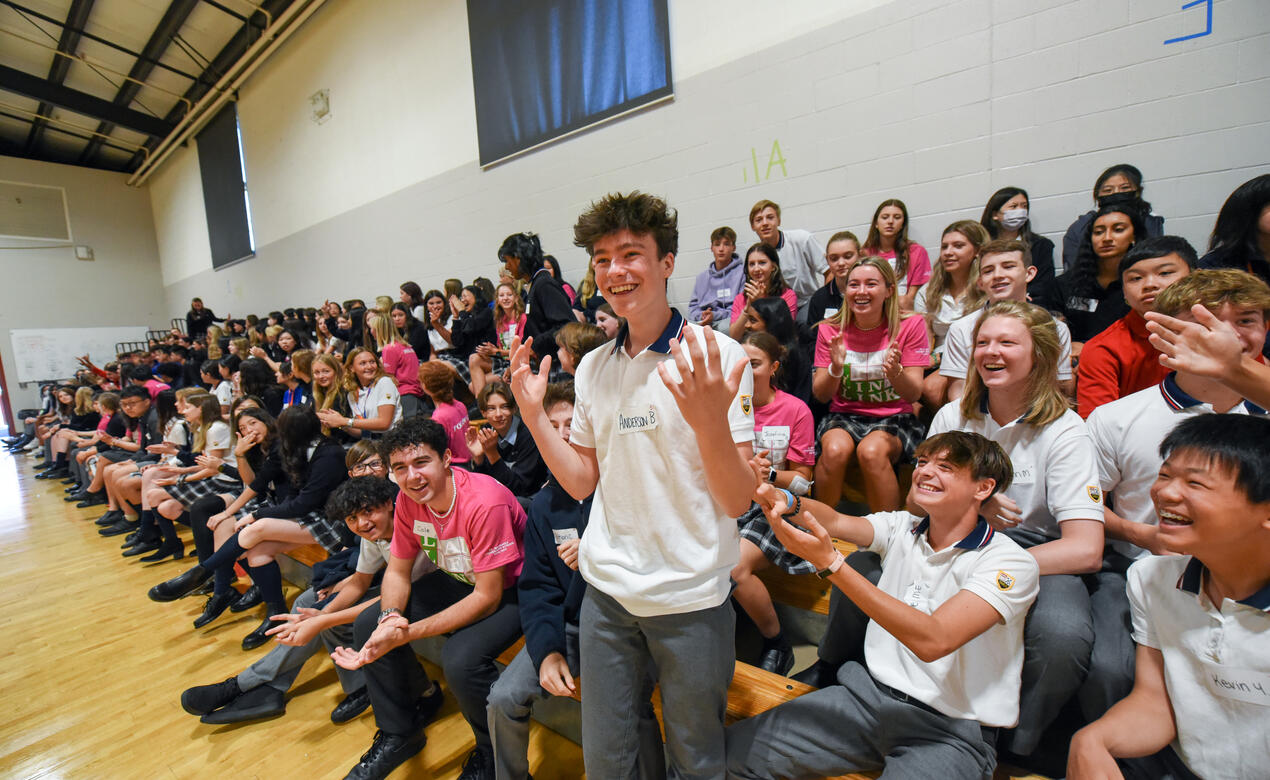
793, 502
837, 375
386, 612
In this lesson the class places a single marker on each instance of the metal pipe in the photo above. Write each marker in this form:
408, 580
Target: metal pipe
117, 142
288, 22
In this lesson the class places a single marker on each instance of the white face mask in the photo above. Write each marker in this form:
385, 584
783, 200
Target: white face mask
1013, 219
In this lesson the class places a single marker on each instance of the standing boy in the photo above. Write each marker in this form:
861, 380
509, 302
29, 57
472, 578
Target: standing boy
802, 259
661, 433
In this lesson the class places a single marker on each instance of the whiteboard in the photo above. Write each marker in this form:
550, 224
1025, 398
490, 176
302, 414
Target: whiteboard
50, 353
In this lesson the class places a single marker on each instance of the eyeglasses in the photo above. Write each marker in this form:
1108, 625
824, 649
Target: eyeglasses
367, 466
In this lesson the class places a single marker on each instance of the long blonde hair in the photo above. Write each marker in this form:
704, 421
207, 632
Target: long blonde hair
941, 281
587, 289
382, 329
214, 334
1045, 401
83, 400
324, 398
350, 376
209, 413
890, 307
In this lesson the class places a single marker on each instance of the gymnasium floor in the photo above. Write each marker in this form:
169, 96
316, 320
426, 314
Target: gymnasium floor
91, 671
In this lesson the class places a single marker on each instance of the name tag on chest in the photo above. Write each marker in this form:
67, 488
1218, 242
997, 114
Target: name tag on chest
1244, 685
1024, 473
563, 535
637, 420
426, 532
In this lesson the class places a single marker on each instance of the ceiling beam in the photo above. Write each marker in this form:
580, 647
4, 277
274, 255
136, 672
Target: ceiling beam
76, 18
176, 14
78, 102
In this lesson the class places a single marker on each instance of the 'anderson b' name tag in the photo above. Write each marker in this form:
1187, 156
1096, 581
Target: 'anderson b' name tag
633, 421
1240, 684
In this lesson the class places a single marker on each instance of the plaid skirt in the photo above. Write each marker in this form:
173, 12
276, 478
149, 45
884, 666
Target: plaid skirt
189, 492
754, 527
905, 427
330, 536
458, 361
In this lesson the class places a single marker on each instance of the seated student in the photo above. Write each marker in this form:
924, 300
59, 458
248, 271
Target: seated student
763, 279
226, 367
411, 330
329, 395
575, 340
77, 441
841, 253
400, 363
489, 362
1119, 185
805, 259
607, 321
142, 375
80, 424
717, 285
318, 618
1120, 360
951, 292
784, 454
586, 307
1053, 507
141, 430
112, 425
888, 239
551, 593
373, 401
771, 315
135, 487
1199, 617
1005, 269
868, 368
255, 378
300, 386
1006, 218
1089, 295
504, 449
943, 651
472, 528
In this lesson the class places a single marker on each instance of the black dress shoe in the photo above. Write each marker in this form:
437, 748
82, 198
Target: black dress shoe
387, 752
161, 551
479, 765
93, 499
257, 704
214, 608
818, 675
110, 517
57, 472
259, 637
124, 526
427, 706
203, 590
141, 548
181, 585
69, 480
351, 706
202, 699
777, 660
250, 598
80, 496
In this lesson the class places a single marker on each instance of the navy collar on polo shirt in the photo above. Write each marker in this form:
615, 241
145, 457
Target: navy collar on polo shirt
977, 539
1192, 580
983, 408
674, 330
1177, 398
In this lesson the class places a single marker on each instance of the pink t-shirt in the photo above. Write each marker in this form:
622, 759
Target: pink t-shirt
918, 271
510, 330
786, 418
484, 530
453, 417
864, 389
155, 387
401, 363
738, 303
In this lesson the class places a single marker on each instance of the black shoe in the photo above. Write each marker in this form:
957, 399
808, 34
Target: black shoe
124, 526
69, 480
110, 517
161, 551
93, 499
818, 675
427, 706
202, 699
250, 598
203, 590
351, 706
141, 548
214, 608
82, 495
257, 704
777, 660
259, 637
57, 472
182, 585
387, 752
479, 765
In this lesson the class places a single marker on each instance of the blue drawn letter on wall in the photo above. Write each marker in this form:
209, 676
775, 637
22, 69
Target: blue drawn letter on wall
1207, 30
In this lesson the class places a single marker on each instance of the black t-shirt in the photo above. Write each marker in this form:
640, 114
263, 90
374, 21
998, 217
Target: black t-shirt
1086, 315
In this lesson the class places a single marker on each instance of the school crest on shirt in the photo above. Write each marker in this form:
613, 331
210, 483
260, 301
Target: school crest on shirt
1004, 581
747, 404
1095, 493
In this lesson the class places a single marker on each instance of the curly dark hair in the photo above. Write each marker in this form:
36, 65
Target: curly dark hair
357, 495
414, 432
637, 212
1084, 272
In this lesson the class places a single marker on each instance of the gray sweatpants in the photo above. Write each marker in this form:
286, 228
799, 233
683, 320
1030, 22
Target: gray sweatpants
858, 727
693, 654
281, 666
511, 701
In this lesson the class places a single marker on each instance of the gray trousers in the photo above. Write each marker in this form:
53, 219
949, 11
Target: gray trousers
692, 653
1111, 661
280, 667
858, 727
513, 697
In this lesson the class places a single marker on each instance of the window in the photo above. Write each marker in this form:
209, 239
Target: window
224, 173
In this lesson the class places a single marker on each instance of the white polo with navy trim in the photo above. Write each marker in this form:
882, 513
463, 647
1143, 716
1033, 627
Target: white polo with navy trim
656, 541
1216, 665
959, 348
979, 680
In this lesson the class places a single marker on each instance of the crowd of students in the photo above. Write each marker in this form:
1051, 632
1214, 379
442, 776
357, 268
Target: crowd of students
1085, 542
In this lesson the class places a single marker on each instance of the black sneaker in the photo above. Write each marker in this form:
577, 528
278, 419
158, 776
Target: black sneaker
202, 699
387, 752
479, 765
777, 660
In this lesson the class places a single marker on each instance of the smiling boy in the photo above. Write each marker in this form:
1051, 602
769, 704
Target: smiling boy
802, 260
1201, 618
943, 652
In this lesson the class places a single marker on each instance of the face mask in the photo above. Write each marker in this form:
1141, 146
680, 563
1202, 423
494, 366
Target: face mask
1013, 219
1117, 199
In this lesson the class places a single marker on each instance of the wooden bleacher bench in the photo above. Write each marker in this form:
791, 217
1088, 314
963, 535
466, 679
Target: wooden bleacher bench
308, 555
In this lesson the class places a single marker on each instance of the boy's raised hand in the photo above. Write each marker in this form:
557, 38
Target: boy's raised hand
703, 395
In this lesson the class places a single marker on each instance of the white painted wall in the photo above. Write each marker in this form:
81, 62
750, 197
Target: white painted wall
46, 287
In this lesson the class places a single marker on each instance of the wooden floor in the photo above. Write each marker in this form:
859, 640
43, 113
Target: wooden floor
91, 671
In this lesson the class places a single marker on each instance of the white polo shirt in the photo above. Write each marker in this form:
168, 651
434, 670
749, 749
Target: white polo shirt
959, 347
656, 541
1055, 467
1127, 433
979, 680
1216, 665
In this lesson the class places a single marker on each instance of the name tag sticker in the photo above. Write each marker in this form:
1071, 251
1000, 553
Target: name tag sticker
563, 535
637, 420
830, 311
1082, 304
1244, 685
726, 292
917, 596
1024, 473
426, 532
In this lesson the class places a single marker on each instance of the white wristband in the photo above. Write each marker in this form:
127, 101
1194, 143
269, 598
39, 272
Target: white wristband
837, 375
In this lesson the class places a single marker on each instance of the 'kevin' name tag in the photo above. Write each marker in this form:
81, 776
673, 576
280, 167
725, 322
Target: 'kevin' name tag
1239, 684
636, 420
563, 535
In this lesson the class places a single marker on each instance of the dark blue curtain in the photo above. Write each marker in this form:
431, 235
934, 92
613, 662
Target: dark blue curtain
543, 68
224, 194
